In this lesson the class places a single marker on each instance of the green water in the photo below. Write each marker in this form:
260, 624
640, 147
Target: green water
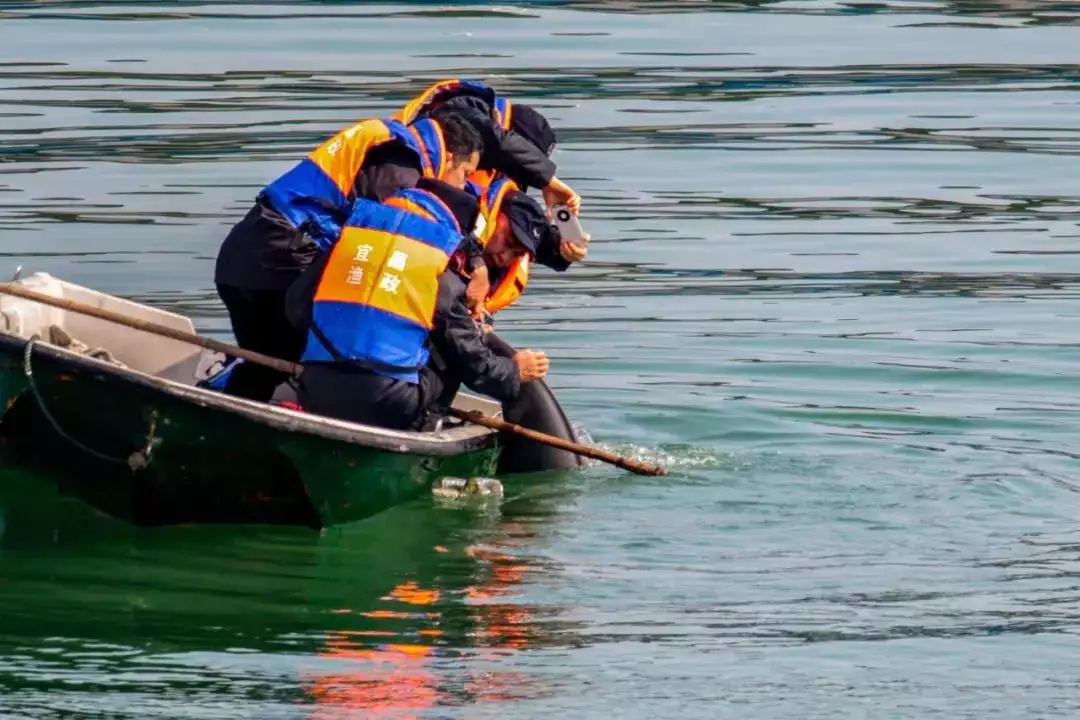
833, 285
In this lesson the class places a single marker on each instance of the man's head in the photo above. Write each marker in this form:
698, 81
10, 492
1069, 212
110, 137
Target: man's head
521, 227
463, 149
527, 122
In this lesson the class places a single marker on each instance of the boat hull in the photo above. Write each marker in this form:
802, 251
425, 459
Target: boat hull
155, 452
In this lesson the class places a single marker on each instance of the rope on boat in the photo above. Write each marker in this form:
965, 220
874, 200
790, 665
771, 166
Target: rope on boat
29, 372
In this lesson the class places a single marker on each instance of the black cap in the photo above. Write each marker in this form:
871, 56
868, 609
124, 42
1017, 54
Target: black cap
529, 223
534, 127
464, 205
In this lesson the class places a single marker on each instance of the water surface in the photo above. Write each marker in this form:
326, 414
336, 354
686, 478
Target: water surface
833, 285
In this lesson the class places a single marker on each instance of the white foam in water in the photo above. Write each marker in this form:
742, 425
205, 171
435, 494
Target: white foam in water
682, 457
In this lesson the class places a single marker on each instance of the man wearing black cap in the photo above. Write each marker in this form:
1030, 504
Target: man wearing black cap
523, 153
518, 139
508, 214
458, 353
522, 224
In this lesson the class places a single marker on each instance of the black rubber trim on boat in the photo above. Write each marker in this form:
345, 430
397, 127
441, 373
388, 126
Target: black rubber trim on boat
537, 409
55, 358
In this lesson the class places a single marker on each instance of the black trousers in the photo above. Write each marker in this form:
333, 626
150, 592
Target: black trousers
259, 323
350, 393
363, 396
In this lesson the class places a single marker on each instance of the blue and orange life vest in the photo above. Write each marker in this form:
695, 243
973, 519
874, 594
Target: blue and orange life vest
444, 90
375, 302
512, 284
317, 193
501, 109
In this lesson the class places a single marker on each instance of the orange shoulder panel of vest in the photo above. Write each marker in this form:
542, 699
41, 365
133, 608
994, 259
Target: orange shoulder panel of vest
402, 203
342, 156
444, 158
510, 287
482, 178
503, 110
408, 113
432, 147
383, 270
490, 207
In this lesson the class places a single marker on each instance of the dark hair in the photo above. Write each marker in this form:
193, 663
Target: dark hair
461, 138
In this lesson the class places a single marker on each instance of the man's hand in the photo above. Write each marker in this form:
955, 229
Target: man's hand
477, 291
573, 253
532, 364
559, 193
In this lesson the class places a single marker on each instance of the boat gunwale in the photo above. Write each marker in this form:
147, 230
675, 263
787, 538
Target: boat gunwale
467, 439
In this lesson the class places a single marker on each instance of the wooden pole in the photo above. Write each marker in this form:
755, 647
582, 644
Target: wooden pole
295, 369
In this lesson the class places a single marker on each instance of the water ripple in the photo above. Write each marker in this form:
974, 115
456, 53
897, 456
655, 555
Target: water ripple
831, 286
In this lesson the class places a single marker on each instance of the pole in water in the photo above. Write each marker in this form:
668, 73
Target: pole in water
473, 416
635, 466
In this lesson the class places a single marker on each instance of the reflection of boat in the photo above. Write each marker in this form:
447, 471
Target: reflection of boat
415, 609
152, 447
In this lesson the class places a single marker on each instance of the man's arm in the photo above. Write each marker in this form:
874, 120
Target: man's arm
456, 339
548, 253
474, 254
506, 152
477, 270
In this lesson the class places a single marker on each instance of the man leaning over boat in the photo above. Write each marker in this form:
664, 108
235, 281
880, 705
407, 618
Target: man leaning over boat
518, 143
518, 139
505, 213
390, 336
299, 216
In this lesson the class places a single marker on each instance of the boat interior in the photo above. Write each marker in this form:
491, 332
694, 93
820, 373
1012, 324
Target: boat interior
161, 357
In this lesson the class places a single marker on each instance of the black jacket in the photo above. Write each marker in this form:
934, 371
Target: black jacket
507, 152
387, 168
458, 351
265, 252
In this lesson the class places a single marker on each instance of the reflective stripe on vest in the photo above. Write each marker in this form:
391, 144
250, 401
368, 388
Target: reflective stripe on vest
501, 109
315, 195
428, 137
490, 204
440, 92
375, 302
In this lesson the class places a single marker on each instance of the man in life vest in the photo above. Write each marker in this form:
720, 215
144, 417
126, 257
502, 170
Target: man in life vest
507, 213
391, 338
518, 143
299, 216
518, 139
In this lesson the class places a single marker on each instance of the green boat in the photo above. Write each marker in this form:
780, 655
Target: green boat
115, 417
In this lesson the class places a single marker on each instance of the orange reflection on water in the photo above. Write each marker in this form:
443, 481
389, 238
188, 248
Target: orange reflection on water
400, 680
500, 625
394, 680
